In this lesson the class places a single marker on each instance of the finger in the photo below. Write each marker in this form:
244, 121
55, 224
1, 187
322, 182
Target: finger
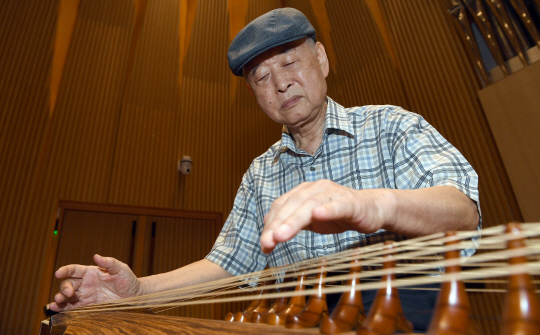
333, 210
280, 209
298, 217
287, 204
69, 286
284, 207
53, 306
62, 307
60, 298
112, 265
278, 204
57, 307
72, 270
75, 296
267, 241
348, 216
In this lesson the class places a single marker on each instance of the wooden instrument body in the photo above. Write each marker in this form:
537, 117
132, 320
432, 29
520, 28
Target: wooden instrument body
129, 323
451, 316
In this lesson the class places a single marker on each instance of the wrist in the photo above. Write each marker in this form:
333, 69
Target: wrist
142, 289
387, 201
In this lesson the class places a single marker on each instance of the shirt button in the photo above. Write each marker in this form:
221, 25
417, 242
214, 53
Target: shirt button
324, 247
312, 168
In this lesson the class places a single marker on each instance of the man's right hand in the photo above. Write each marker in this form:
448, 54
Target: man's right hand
109, 280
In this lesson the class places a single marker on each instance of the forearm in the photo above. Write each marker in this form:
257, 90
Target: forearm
192, 274
429, 210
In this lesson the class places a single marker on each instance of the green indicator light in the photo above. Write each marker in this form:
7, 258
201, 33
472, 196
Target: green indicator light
55, 232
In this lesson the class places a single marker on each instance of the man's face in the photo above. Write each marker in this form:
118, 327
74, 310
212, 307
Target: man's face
289, 83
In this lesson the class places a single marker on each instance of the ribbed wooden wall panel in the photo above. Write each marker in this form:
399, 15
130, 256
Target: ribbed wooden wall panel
367, 74
85, 120
116, 137
25, 39
144, 170
220, 125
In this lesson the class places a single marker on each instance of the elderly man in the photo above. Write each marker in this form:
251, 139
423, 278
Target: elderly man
338, 178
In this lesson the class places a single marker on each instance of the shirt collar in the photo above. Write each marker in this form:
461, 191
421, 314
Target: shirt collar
336, 118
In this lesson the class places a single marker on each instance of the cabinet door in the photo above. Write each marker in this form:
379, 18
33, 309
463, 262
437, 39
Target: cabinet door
85, 233
176, 242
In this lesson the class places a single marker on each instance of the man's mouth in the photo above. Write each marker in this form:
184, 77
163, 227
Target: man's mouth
290, 102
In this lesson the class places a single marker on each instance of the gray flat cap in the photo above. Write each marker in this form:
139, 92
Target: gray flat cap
269, 30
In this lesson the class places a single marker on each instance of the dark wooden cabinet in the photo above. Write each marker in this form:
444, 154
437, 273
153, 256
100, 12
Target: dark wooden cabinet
149, 240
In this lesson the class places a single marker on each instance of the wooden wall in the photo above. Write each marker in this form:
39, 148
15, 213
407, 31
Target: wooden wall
102, 109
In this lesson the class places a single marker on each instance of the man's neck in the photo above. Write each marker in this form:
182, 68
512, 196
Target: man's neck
309, 137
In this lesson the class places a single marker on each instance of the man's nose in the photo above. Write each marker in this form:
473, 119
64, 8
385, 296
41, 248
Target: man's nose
282, 82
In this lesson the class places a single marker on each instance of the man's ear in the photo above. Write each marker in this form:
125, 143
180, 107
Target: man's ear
323, 58
249, 89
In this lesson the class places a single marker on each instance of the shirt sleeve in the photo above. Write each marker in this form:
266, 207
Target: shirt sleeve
422, 157
237, 248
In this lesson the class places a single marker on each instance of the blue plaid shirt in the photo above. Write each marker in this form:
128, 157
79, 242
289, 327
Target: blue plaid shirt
362, 148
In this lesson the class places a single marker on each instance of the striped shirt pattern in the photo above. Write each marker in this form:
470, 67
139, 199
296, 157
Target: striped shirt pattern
362, 148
